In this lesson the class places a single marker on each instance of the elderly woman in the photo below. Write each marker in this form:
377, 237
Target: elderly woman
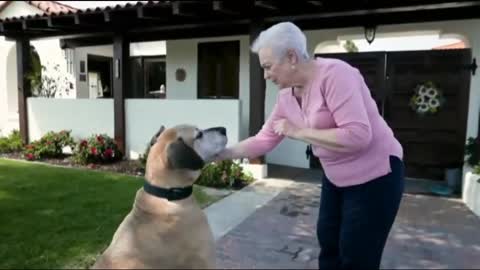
325, 102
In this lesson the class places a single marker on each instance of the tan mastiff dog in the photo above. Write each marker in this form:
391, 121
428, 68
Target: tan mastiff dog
166, 228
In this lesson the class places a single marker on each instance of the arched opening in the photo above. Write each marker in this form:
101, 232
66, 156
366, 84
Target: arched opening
11, 84
398, 41
11, 81
396, 67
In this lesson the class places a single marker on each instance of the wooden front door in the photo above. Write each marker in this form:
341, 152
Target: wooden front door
434, 142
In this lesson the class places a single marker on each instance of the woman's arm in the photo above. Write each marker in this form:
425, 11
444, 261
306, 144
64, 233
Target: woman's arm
343, 96
263, 142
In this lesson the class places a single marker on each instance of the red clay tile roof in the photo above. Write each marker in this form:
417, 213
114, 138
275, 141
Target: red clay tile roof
3, 5
51, 7
48, 7
456, 45
54, 8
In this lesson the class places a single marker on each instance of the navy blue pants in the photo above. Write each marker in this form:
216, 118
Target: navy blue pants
354, 222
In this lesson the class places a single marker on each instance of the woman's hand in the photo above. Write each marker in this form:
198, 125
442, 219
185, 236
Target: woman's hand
325, 138
285, 128
223, 155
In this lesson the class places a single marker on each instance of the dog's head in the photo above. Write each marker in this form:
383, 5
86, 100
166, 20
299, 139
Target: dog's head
184, 148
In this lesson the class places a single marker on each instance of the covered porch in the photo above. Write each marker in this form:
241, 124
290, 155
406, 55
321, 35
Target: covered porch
185, 26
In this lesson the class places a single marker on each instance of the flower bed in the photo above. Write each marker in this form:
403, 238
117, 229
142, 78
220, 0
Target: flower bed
100, 152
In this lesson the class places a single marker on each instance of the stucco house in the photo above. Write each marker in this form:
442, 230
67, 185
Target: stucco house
154, 63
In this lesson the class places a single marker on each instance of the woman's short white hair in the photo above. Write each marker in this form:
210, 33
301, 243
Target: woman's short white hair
281, 37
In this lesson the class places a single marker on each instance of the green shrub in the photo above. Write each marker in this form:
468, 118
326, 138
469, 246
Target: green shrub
97, 149
49, 146
11, 143
224, 174
476, 169
142, 159
472, 151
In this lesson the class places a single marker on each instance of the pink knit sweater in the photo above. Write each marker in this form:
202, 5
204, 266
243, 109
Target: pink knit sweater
338, 98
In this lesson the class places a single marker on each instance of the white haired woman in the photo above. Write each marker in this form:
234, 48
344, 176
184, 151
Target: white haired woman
325, 102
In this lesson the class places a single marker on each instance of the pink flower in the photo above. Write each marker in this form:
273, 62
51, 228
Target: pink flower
108, 153
93, 150
100, 139
83, 143
29, 156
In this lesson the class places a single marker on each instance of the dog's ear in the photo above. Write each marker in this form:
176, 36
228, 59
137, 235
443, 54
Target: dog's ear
155, 137
182, 156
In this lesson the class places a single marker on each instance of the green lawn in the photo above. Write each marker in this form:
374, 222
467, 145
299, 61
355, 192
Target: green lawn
61, 218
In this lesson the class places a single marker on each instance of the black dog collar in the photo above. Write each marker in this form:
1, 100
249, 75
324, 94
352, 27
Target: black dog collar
171, 194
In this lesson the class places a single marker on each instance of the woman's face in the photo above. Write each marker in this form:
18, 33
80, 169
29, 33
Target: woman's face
274, 69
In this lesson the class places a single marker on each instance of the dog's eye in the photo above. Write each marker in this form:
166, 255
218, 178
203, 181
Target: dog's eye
199, 135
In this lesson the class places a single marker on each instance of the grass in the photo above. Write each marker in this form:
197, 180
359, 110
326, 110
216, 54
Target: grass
61, 218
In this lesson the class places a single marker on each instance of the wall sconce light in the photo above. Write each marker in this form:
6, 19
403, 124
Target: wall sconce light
370, 32
117, 68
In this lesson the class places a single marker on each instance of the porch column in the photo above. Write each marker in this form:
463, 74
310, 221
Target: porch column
121, 53
257, 88
24, 87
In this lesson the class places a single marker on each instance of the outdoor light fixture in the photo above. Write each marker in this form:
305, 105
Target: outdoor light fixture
117, 68
370, 33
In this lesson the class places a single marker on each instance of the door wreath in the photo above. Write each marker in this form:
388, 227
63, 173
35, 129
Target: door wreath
427, 99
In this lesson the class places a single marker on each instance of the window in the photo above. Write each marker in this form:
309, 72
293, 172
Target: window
218, 69
148, 77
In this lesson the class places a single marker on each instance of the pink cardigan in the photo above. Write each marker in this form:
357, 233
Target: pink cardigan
338, 98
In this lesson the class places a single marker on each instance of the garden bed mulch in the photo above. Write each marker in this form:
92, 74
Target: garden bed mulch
128, 167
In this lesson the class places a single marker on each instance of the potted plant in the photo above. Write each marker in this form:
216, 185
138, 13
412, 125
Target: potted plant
471, 190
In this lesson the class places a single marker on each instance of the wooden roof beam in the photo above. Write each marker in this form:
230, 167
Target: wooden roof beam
315, 3
122, 17
12, 27
153, 13
89, 20
192, 8
271, 5
222, 7
107, 16
38, 25
67, 23
178, 9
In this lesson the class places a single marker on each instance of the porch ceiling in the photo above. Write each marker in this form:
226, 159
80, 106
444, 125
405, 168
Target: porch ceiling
160, 20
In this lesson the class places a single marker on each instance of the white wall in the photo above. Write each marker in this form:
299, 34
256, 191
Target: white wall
183, 54
11, 78
84, 117
289, 152
3, 86
19, 8
148, 48
145, 116
471, 191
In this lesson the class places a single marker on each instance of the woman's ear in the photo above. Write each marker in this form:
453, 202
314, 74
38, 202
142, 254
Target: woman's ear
292, 57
